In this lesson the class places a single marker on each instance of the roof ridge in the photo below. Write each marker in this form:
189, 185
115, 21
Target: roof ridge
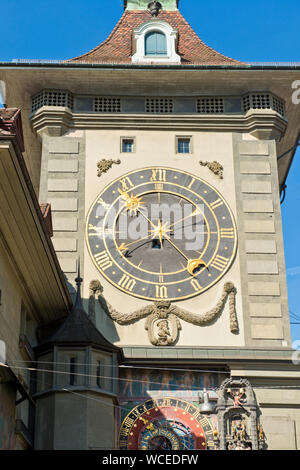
117, 47
102, 43
204, 44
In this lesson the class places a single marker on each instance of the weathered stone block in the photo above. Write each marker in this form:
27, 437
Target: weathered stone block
256, 167
256, 186
63, 185
68, 265
63, 204
259, 226
254, 148
264, 288
63, 166
258, 205
265, 310
63, 146
65, 244
266, 328
280, 432
261, 246
62, 224
262, 267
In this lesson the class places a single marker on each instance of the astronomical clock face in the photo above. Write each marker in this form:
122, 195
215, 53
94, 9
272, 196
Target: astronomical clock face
166, 424
161, 234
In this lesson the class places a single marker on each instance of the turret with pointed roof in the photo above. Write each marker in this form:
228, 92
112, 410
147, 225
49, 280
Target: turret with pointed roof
78, 329
77, 370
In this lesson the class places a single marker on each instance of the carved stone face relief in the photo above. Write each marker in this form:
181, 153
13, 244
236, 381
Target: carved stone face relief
163, 332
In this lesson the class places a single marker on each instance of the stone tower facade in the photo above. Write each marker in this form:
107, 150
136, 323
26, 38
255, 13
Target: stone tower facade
154, 115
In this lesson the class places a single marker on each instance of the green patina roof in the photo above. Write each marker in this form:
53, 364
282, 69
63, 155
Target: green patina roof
169, 5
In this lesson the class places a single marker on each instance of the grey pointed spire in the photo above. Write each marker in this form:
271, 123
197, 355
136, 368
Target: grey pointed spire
78, 280
78, 329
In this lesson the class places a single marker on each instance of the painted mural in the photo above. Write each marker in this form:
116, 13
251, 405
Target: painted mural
7, 418
139, 384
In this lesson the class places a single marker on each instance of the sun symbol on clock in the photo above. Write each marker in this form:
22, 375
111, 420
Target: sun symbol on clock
132, 203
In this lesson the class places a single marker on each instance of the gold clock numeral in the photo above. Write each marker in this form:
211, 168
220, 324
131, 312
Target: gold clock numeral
204, 422
216, 204
158, 175
124, 431
103, 203
128, 422
196, 285
161, 292
220, 263
166, 402
191, 183
126, 184
196, 414
103, 260
227, 233
127, 283
94, 231
159, 186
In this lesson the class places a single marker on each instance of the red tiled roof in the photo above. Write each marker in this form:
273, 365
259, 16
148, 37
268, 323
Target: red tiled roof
7, 114
11, 125
117, 48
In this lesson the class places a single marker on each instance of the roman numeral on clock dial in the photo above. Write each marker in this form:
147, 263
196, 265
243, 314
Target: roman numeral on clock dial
158, 175
161, 292
220, 263
127, 283
103, 260
216, 204
227, 232
126, 184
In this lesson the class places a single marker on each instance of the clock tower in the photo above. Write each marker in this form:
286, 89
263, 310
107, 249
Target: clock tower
160, 159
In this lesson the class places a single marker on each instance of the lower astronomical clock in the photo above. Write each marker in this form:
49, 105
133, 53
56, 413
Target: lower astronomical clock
166, 424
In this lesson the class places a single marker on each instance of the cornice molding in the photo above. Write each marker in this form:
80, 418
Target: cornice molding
263, 124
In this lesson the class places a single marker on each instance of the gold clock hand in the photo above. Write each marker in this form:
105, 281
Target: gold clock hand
195, 212
176, 247
124, 246
150, 222
192, 264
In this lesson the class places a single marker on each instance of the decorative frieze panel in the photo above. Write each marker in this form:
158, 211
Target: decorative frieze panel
52, 98
158, 105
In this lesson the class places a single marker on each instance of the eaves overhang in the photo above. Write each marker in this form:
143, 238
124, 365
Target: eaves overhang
25, 78
25, 239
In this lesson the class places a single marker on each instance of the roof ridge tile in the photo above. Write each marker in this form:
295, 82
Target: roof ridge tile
117, 48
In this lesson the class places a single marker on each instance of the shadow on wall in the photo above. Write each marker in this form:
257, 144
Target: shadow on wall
7, 417
96, 313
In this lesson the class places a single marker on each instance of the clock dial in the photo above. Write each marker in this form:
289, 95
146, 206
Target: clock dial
161, 234
166, 424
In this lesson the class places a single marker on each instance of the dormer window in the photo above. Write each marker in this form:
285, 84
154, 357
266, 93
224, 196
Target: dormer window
155, 42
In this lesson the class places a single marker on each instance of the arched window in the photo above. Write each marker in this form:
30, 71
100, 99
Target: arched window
155, 44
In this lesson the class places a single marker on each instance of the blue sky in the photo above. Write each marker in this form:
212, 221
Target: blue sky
260, 30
